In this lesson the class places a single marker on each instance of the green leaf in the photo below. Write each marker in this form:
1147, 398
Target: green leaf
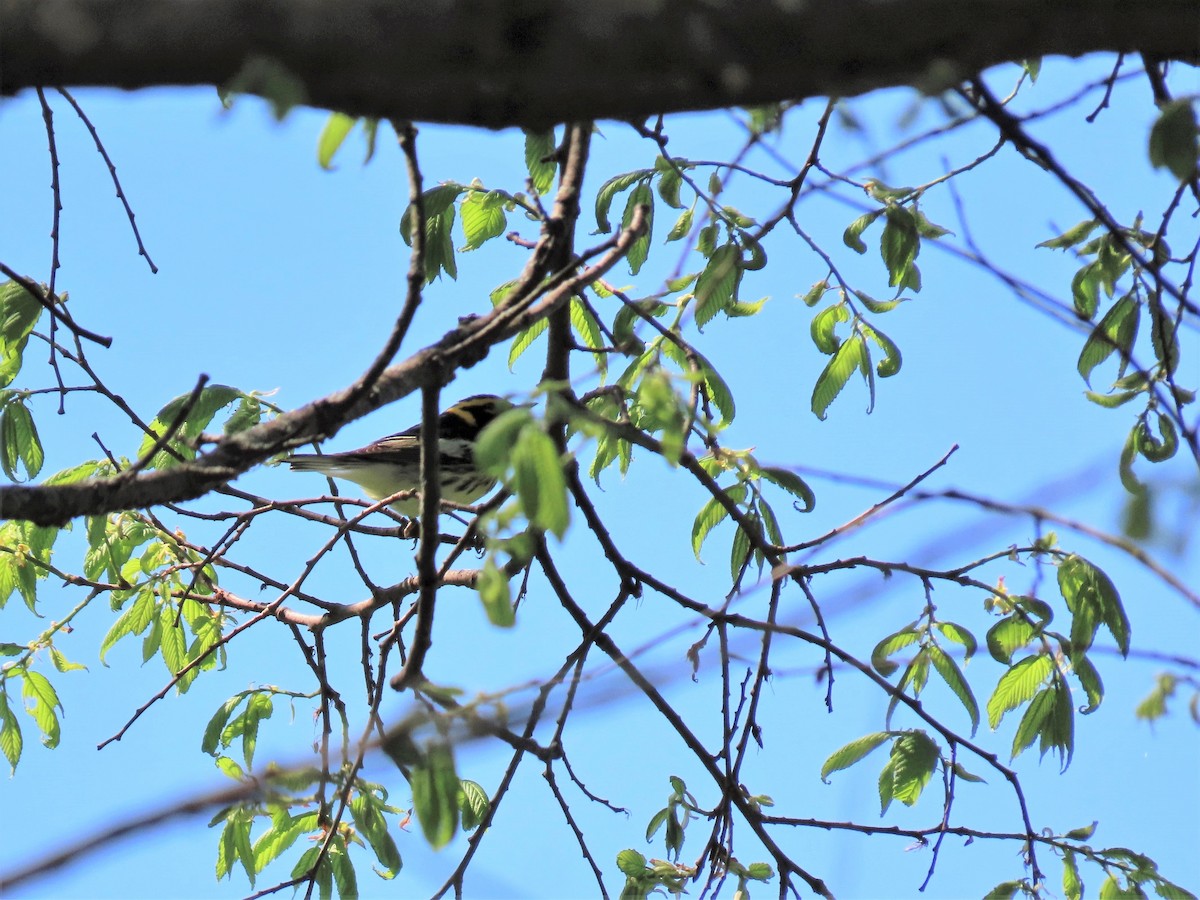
216, 724
946, 667
899, 244
851, 355
540, 159
1076, 234
494, 592
496, 443
959, 635
1034, 720
525, 339
1089, 680
823, 325
1117, 330
435, 795
1173, 139
483, 217
639, 250
337, 126
682, 226
815, 293
670, 179
711, 514
1085, 290
474, 804
631, 863
212, 399
718, 283
848, 755
891, 644
877, 306
11, 742
914, 756
539, 482
1018, 685
793, 484
1008, 636
1006, 890
891, 362
851, 237
1154, 448
1093, 599
1072, 884
609, 190
19, 442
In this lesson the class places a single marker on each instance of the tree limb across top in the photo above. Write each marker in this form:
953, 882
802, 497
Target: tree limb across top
537, 62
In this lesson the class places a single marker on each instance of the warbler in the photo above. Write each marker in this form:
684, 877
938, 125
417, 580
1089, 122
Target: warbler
393, 464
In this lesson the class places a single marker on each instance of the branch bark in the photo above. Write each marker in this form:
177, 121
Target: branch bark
535, 62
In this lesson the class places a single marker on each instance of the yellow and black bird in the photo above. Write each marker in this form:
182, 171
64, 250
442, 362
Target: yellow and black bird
393, 464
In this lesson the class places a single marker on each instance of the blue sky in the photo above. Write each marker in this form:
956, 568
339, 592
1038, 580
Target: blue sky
278, 276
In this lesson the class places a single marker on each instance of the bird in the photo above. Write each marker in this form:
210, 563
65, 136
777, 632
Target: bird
393, 464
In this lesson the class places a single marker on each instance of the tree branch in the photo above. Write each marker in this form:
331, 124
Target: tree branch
537, 62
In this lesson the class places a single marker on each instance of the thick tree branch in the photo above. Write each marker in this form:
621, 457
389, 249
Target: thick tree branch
534, 62
233, 454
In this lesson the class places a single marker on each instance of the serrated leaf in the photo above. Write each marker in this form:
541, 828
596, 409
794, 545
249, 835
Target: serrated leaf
639, 250
948, 669
1008, 636
961, 636
710, 515
1017, 686
11, 742
540, 160
1116, 330
718, 283
631, 863
525, 339
1093, 599
850, 753
850, 356
891, 644
823, 325
483, 217
793, 484
609, 190
899, 244
914, 756
474, 803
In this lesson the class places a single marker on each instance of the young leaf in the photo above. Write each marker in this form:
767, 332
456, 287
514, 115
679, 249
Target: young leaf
337, 126
848, 755
946, 667
639, 250
540, 160
717, 285
1173, 139
1117, 330
710, 515
483, 217
1017, 685
851, 355
851, 237
435, 795
1092, 598
914, 756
